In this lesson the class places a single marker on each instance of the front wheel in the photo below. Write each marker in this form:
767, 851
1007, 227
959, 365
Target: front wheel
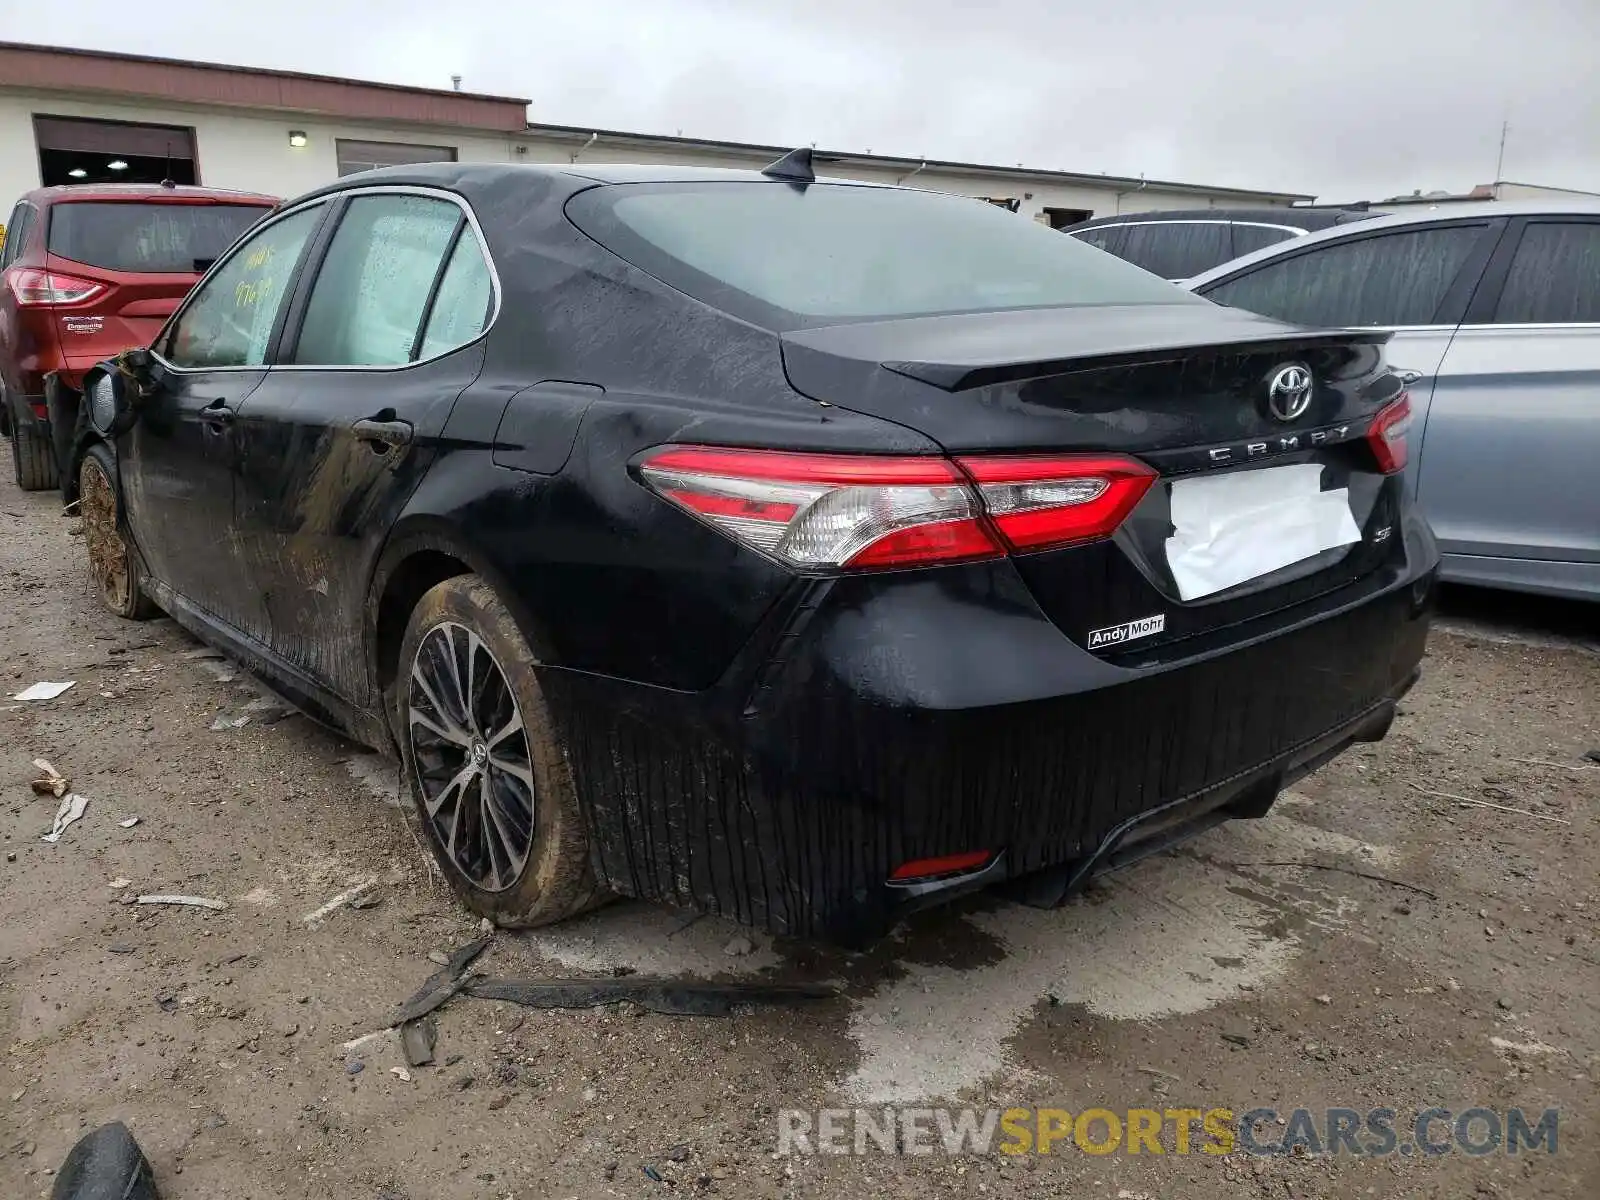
114, 566
491, 786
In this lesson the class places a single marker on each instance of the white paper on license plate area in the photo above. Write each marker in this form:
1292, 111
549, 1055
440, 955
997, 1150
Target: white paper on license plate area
1235, 527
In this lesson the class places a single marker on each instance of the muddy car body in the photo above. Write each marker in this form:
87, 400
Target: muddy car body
760, 574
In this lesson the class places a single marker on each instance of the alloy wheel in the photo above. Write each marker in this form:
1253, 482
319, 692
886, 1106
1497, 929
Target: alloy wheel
108, 553
472, 757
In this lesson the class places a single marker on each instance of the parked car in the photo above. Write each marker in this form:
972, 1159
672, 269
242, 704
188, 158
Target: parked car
1178, 244
805, 579
85, 272
1495, 310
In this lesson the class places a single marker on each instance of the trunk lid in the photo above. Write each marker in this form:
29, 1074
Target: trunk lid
1185, 389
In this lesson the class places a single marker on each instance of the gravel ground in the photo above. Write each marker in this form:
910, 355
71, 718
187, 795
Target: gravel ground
1439, 953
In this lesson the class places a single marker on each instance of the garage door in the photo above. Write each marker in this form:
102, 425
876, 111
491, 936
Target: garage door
74, 150
366, 156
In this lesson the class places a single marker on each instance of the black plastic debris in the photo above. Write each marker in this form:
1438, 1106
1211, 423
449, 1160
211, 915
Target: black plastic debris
106, 1164
444, 983
672, 997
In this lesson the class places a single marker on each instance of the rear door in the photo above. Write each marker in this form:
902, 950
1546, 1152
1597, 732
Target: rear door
19, 337
384, 335
144, 255
1508, 461
177, 460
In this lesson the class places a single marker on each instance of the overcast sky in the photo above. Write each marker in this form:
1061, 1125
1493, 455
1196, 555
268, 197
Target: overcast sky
1357, 99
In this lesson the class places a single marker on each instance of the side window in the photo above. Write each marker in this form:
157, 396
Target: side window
16, 233
1177, 249
1392, 279
1247, 239
228, 321
1105, 237
1554, 276
461, 306
368, 301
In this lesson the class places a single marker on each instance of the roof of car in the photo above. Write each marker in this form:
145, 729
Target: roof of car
1291, 218
141, 191
1453, 213
463, 176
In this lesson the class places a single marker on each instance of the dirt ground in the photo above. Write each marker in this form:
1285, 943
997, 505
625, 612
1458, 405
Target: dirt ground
1439, 953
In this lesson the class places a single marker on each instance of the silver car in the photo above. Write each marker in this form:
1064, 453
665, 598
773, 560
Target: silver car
1496, 316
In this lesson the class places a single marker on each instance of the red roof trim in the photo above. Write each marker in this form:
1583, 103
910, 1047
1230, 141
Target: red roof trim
183, 81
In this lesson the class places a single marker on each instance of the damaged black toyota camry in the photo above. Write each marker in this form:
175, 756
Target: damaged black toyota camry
802, 551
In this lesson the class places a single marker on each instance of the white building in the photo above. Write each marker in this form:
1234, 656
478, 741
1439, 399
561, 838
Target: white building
86, 116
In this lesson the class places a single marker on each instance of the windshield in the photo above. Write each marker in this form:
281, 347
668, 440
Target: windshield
782, 255
157, 239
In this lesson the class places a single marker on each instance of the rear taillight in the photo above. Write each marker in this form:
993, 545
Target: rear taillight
822, 511
41, 289
1387, 436
1036, 502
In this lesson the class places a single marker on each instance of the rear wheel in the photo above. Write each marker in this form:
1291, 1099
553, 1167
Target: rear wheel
33, 458
492, 788
114, 566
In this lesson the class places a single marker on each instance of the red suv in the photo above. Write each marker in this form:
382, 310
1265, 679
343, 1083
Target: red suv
87, 272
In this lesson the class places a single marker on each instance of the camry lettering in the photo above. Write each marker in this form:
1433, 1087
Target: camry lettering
1246, 451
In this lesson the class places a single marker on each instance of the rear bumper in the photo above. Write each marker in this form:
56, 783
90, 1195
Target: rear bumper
883, 719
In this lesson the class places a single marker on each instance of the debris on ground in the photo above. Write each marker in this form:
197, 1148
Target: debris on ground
119, 883
223, 722
105, 1164
50, 782
354, 1067
43, 691
400, 1073
72, 809
190, 901
365, 1038
438, 957
129, 823
203, 653
365, 901
444, 983
346, 898
671, 997
417, 1040
738, 947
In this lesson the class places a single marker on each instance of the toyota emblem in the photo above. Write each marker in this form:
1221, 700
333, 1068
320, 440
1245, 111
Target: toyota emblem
1289, 393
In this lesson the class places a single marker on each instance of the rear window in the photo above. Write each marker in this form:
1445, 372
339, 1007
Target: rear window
159, 239
786, 256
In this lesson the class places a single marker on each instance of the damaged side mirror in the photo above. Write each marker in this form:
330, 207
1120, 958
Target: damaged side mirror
115, 391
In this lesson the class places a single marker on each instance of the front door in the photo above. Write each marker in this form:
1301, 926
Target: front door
382, 341
178, 460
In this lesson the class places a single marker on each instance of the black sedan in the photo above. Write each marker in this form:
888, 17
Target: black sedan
802, 551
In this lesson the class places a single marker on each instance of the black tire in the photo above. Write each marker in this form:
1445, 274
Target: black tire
33, 458
114, 566
487, 773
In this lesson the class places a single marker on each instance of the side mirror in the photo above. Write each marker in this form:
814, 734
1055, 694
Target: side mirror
115, 391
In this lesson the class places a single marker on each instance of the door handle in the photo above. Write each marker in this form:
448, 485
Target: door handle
1407, 376
388, 434
217, 412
